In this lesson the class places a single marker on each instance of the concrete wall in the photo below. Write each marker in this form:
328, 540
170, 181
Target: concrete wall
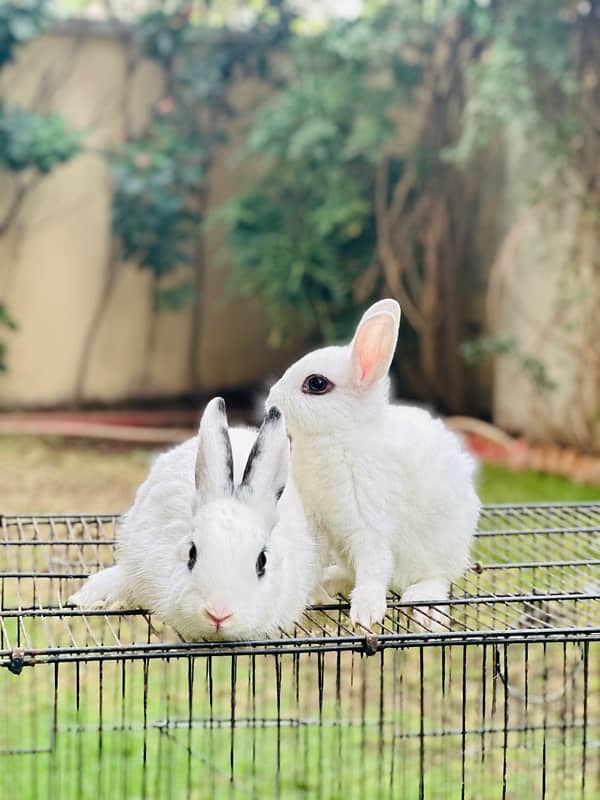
54, 258
53, 264
548, 300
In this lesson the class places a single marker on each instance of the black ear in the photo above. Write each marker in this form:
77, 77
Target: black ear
266, 470
214, 460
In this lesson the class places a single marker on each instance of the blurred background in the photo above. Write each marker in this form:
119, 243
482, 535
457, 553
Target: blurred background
194, 193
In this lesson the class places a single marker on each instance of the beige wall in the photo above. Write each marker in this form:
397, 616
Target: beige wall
548, 278
54, 258
53, 264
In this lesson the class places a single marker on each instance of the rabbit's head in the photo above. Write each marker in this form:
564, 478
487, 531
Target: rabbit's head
228, 579
341, 387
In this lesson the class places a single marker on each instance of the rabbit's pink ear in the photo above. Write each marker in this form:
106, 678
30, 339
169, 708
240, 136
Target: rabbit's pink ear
374, 343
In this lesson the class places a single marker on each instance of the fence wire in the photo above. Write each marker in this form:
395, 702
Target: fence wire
501, 700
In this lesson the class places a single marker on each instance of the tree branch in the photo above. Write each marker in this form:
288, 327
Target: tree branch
20, 191
392, 267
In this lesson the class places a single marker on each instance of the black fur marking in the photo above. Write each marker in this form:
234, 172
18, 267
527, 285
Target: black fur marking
273, 415
271, 418
261, 563
254, 453
228, 459
193, 554
278, 494
221, 406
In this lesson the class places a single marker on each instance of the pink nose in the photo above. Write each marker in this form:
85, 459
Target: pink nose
218, 616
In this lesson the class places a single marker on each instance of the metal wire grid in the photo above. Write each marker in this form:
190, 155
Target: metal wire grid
535, 577
504, 704
484, 721
535, 574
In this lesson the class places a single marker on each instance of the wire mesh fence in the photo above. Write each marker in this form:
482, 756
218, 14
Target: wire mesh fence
500, 700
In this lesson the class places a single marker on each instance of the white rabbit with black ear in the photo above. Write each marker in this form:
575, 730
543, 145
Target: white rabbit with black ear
387, 487
216, 543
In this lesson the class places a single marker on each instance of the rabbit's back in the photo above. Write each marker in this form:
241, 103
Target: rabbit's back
422, 450
431, 481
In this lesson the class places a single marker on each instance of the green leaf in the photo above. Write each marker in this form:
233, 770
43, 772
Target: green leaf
30, 140
19, 22
174, 298
5, 318
313, 139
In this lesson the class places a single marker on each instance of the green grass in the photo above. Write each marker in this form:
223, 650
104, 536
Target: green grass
107, 741
57, 476
500, 485
331, 754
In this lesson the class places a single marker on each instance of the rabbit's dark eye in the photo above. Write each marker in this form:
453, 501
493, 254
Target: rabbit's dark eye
317, 384
192, 557
261, 563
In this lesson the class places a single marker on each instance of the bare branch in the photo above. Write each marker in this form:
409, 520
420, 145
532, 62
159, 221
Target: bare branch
20, 191
392, 267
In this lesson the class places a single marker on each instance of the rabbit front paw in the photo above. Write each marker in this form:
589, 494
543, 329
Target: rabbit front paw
81, 600
432, 618
100, 590
368, 605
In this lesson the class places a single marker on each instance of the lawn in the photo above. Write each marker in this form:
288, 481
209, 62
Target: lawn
336, 726
54, 475
58, 476
298, 727
500, 485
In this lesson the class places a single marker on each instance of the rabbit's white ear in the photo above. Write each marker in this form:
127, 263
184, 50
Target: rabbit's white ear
387, 306
374, 343
266, 470
214, 461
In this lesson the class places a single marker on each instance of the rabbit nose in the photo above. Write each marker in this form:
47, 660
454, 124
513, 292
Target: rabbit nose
218, 615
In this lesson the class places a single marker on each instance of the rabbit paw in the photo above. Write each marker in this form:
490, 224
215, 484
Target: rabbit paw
429, 618
368, 605
101, 590
118, 605
97, 605
433, 619
80, 600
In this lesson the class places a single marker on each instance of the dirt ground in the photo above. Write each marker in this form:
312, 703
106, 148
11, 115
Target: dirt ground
54, 475
51, 474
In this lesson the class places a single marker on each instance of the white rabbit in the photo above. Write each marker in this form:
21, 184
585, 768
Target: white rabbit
388, 487
212, 550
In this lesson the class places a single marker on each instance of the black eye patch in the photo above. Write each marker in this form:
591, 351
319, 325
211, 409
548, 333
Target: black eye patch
192, 555
317, 384
261, 563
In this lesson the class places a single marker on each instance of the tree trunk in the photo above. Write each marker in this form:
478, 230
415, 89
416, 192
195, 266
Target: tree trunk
113, 271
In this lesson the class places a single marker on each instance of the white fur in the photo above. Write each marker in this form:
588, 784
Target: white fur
388, 487
229, 531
